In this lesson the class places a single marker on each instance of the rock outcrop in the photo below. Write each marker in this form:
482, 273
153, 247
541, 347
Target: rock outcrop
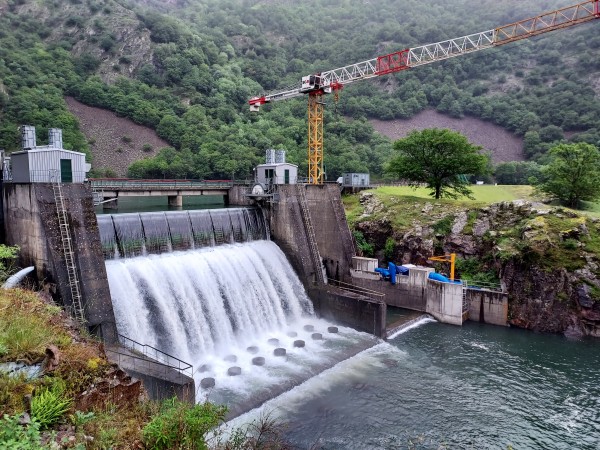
545, 258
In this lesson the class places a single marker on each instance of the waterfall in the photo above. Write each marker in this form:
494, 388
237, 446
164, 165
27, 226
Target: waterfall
137, 234
206, 301
235, 306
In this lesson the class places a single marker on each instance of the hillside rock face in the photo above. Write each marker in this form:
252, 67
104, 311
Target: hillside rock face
545, 259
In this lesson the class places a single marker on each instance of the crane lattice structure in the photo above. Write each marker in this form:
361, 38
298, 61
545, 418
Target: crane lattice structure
332, 81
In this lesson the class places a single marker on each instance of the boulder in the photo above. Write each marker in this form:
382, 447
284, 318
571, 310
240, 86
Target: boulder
279, 351
299, 343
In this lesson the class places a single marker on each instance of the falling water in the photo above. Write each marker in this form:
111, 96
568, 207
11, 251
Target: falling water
223, 307
138, 234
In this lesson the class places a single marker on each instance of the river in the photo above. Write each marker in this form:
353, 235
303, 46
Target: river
440, 386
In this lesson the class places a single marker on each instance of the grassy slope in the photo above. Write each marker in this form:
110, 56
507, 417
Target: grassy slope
547, 243
28, 326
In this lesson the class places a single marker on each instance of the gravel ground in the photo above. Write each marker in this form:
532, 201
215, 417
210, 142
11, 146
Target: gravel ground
503, 145
115, 142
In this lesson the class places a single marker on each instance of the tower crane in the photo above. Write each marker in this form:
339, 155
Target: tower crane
332, 81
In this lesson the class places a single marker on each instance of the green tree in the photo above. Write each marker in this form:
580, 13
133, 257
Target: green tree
440, 159
573, 174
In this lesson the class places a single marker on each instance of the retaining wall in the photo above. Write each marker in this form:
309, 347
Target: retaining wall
488, 306
444, 302
31, 222
332, 234
409, 292
347, 308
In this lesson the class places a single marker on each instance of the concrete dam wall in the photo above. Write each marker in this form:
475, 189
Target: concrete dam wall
31, 222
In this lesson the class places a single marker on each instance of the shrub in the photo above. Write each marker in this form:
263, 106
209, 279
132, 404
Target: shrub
8, 256
444, 226
14, 436
388, 250
147, 148
49, 406
363, 246
183, 426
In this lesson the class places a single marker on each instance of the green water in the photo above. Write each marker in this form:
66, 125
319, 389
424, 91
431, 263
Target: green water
441, 386
151, 204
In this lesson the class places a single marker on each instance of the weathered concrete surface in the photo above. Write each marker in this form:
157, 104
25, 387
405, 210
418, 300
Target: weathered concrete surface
32, 223
444, 302
356, 311
488, 306
160, 381
334, 239
289, 233
236, 197
409, 292
332, 234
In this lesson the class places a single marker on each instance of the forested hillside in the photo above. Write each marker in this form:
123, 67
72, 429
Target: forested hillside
187, 68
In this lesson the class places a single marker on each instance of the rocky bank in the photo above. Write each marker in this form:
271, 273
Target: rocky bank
547, 259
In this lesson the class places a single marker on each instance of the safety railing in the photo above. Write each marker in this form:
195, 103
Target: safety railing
355, 289
482, 285
123, 183
163, 358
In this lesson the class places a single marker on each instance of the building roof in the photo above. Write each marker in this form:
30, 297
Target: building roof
277, 164
47, 148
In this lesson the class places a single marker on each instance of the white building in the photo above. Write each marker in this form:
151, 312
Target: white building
276, 170
277, 173
49, 163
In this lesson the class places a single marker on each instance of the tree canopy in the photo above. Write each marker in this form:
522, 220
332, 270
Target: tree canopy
439, 158
573, 174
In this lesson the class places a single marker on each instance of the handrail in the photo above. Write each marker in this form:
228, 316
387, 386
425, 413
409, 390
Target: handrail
156, 354
117, 183
354, 288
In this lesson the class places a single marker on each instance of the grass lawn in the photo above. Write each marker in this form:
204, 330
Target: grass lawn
482, 193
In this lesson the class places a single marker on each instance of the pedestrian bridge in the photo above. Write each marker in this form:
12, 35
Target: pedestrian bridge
107, 191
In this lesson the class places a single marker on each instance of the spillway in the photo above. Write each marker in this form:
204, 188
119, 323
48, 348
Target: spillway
237, 312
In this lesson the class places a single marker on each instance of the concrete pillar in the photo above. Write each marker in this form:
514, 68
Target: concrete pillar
444, 302
112, 203
176, 201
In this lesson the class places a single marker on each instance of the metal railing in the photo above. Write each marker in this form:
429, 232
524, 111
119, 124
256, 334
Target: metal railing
356, 289
125, 183
482, 285
55, 176
163, 358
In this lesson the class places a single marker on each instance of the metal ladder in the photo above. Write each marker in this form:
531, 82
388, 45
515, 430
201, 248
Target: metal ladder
312, 241
465, 287
77, 305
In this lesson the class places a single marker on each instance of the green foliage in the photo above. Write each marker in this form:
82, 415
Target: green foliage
573, 174
474, 271
516, 172
50, 405
438, 158
364, 247
183, 426
14, 436
443, 226
206, 59
388, 250
8, 255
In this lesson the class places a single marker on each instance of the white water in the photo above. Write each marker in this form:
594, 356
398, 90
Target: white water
205, 305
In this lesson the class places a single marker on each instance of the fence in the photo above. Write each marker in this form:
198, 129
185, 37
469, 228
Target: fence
125, 183
355, 289
164, 359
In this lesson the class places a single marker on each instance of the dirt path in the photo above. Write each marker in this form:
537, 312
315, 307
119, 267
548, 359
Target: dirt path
115, 142
503, 145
